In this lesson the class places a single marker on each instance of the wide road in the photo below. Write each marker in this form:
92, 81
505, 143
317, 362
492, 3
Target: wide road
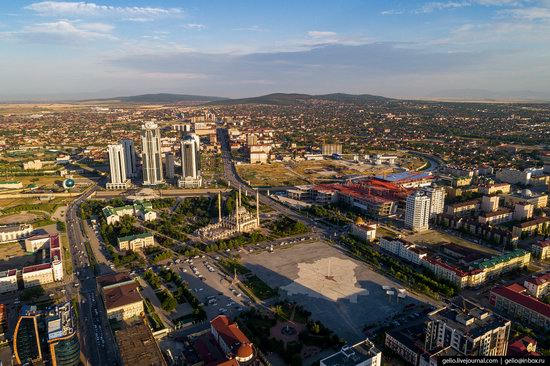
96, 339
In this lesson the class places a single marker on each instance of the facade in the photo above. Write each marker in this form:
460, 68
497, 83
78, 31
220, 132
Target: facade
190, 162
403, 249
15, 232
26, 340
135, 242
538, 285
467, 328
496, 188
514, 176
62, 336
490, 203
169, 164
36, 242
417, 212
407, 342
232, 341
523, 211
117, 165
49, 271
151, 154
129, 158
8, 281
437, 199
514, 301
496, 217
330, 149
531, 227
121, 296
538, 200
541, 249
463, 208
142, 210
364, 231
361, 354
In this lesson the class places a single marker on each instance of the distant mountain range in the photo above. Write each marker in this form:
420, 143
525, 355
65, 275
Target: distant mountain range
269, 99
159, 98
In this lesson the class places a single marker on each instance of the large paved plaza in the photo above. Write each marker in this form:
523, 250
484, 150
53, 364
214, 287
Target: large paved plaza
341, 292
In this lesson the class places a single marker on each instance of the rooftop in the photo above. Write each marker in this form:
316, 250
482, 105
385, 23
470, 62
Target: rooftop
138, 347
123, 295
230, 332
135, 236
518, 294
351, 356
404, 177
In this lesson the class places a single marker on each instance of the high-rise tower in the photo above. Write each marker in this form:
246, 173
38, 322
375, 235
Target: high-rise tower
130, 158
150, 154
117, 167
190, 162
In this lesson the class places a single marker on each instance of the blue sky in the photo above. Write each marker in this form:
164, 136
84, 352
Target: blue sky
63, 49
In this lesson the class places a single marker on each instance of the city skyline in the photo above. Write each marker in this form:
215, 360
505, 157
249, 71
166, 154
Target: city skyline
418, 49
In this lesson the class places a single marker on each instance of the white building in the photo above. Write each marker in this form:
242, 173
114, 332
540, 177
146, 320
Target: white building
8, 281
14, 232
117, 165
130, 158
361, 354
190, 162
490, 203
437, 199
170, 165
403, 249
514, 176
151, 154
417, 211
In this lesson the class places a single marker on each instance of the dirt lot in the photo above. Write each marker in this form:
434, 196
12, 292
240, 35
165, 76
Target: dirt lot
434, 237
19, 218
12, 255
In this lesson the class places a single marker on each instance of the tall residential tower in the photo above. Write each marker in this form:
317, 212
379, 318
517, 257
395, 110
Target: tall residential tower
130, 158
117, 168
151, 154
190, 162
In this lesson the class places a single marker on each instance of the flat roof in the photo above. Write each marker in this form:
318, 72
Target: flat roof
405, 177
352, 356
518, 294
138, 346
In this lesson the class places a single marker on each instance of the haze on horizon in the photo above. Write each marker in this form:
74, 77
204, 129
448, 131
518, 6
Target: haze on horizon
416, 48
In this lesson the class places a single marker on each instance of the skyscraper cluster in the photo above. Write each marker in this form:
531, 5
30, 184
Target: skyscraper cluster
123, 162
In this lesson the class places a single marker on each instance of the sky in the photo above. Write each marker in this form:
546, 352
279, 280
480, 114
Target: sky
240, 48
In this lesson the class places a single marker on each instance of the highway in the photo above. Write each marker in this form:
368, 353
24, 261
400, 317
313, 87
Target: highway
96, 339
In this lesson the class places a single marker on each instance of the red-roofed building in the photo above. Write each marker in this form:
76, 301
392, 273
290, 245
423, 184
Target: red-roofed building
541, 249
522, 347
233, 342
538, 285
515, 301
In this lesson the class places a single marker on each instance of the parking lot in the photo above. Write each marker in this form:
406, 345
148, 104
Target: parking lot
341, 292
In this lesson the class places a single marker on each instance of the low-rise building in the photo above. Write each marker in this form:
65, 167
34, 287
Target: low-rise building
498, 265
538, 285
403, 249
121, 296
137, 241
11, 185
516, 302
541, 249
364, 230
49, 271
496, 217
8, 281
233, 342
539, 200
496, 188
15, 232
360, 354
407, 342
142, 210
465, 208
531, 227
138, 346
36, 242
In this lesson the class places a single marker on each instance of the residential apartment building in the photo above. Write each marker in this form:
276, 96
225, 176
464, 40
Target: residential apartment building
467, 328
8, 281
515, 301
538, 285
151, 154
541, 249
121, 296
417, 211
465, 208
117, 168
405, 250
496, 217
130, 158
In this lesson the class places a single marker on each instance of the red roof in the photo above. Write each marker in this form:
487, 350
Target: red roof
517, 293
229, 332
539, 280
36, 267
245, 351
543, 243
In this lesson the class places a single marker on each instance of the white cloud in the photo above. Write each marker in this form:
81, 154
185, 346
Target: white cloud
392, 12
433, 6
532, 13
320, 34
194, 26
63, 31
83, 9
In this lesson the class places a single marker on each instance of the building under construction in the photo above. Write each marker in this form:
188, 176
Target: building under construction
241, 221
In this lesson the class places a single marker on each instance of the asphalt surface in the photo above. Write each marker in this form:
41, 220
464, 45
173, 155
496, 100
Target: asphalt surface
96, 339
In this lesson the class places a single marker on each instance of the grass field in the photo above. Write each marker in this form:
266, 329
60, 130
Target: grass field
433, 237
274, 174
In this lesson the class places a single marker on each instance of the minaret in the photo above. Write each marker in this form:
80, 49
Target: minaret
257, 208
237, 215
240, 197
219, 207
